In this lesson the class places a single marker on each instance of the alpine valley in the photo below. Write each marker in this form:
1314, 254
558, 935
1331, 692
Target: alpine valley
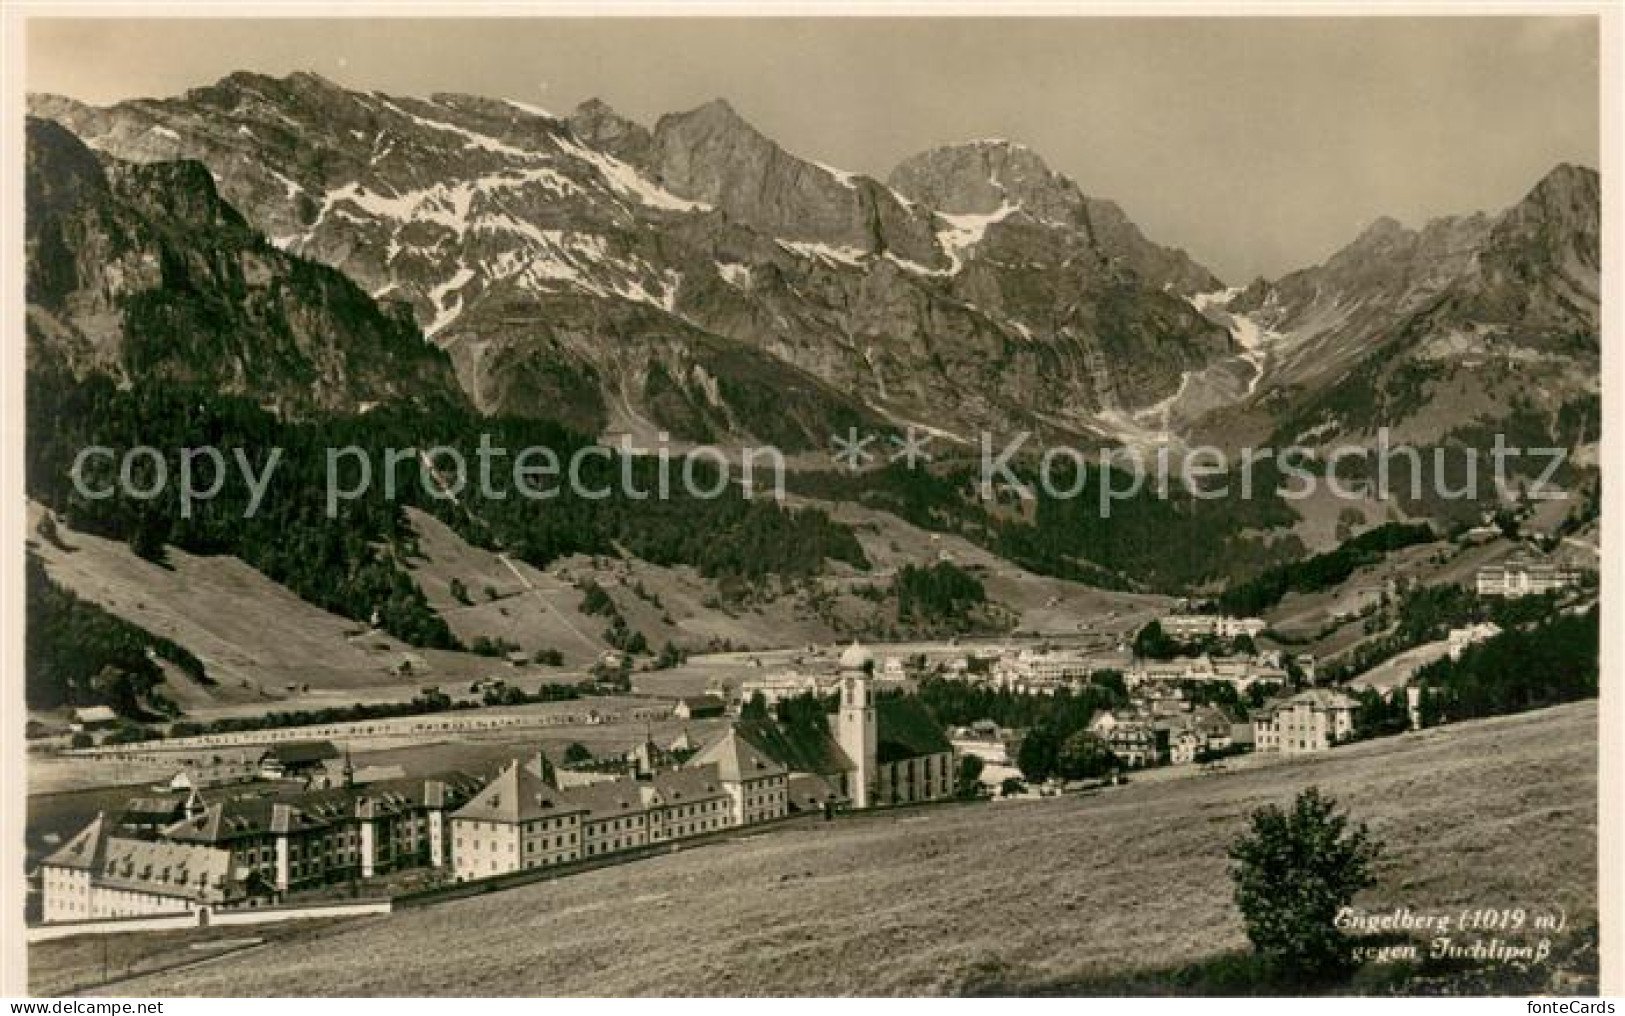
330, 262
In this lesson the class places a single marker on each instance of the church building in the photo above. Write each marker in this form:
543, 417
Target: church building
874, 751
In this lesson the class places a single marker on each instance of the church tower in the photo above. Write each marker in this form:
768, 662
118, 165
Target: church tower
855, 727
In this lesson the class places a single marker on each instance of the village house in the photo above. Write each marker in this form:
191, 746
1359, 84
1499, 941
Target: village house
297, 760
1193, 734
88, 718
1309, 721
1137, 744
1043, 672
777, 687
984, 739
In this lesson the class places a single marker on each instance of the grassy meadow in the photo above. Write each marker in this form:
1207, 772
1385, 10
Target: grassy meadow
1042, 896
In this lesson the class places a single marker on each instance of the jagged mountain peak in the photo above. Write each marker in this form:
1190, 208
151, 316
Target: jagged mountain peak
597, 124
980, 177
717, 118
1569, 195
1383, 228
718, 109
302, 83
1568, 176
604, 273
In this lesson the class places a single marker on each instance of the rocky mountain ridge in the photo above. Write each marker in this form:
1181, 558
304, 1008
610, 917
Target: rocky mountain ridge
1466, 320
694, 277
143, 270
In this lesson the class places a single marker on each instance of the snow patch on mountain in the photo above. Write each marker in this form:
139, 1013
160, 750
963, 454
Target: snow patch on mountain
849, 180
525, 107
627, 180
966, 231
734, 274
471, 139
854, 257
448, 301
1256, 340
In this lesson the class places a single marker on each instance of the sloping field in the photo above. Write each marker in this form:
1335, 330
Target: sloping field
254, 635
1498, 813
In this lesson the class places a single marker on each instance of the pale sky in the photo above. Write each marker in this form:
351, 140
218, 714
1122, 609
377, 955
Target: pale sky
1259, 145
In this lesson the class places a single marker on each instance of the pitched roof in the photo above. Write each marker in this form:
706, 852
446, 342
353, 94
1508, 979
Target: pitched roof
673, 787
906, 731
153, 807
83, 849
1324, 698
736, 758
95, 714
242, 818
517, 795
798, 747
808, 792
1211, 721
187, 870
607, 800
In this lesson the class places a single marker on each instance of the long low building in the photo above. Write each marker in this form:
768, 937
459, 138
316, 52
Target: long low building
1195, 626
1242, 672
523, 820
875, 751
248, 849
1524, 575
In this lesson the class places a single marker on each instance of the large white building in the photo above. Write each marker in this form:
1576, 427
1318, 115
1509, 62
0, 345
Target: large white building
1242, 672
788, 684
1525, 576
524, 820
1186, 627
518, 822
1313, 720
98, 875
1040, 671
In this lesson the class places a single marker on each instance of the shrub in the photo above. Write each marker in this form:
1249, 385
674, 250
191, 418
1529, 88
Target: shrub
1295, 870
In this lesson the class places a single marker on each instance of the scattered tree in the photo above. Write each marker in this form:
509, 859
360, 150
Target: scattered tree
1294, 871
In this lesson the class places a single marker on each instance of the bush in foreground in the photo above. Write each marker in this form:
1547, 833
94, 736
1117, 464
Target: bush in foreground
1294, 871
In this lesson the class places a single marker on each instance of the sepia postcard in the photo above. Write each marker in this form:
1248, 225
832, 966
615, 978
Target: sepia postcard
603, 501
